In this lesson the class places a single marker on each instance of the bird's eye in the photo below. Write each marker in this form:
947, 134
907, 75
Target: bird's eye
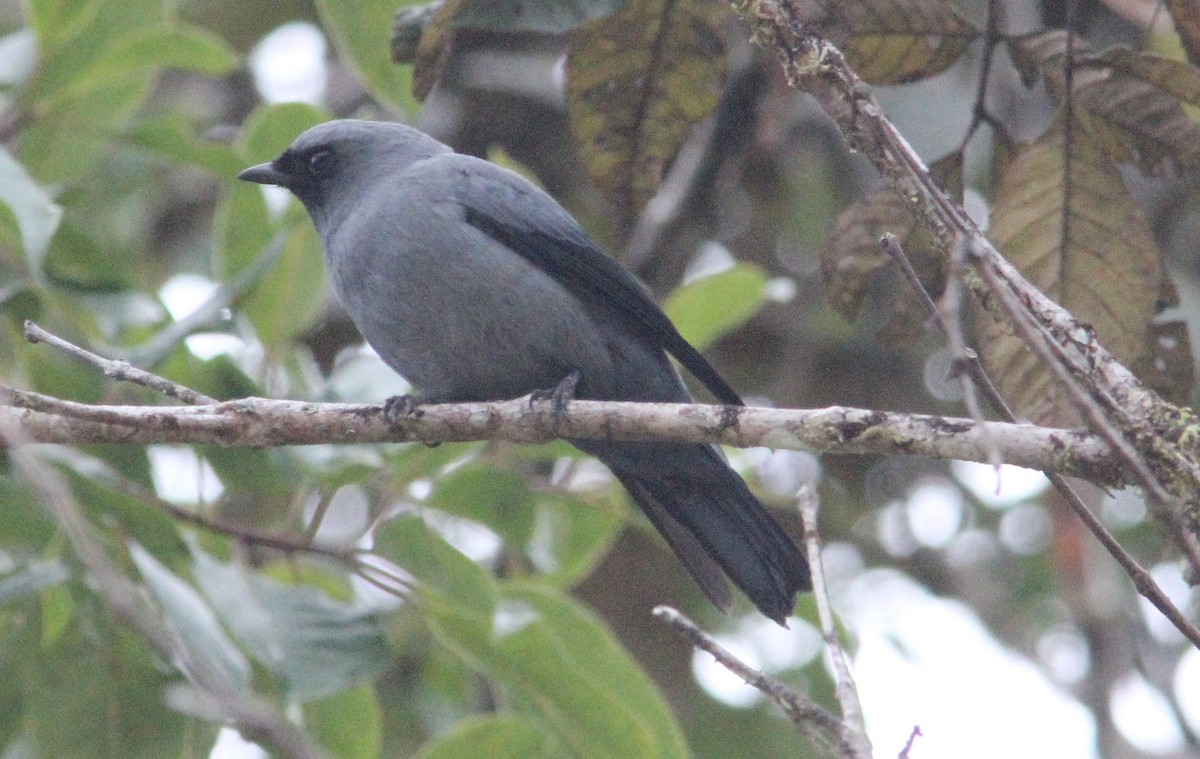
320, 162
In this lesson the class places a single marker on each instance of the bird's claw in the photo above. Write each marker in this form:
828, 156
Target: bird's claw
400, 406
559, 395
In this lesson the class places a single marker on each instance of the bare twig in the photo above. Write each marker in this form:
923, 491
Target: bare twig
817, 722
117, 369
1165, 505
1143, 581
908, 744
853, 725
967, 366
259, 422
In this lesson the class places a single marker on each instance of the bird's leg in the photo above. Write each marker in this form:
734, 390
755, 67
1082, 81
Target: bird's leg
559, 395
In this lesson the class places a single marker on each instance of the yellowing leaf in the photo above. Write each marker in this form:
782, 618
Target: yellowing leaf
433, 49
894, 41
1186, 15
1077, 234
637, 82
1130, 104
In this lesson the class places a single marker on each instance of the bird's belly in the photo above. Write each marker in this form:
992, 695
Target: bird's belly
462, 338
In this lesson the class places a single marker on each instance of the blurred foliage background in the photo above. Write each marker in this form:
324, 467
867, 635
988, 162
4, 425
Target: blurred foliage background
122, 126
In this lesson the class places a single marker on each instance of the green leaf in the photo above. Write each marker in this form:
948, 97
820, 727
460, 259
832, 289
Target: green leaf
242, 229
36, 216
20, 303
98, 698
359, 29
347, 724
565, 670
448, 579
76, 261
148, 525
315, 645
16, 646
72, 38
186, 48
206, 642
498, 499
172, 138
571, 535
26, 527
707, 308
272, 128
498, 737
152, 50
290, 295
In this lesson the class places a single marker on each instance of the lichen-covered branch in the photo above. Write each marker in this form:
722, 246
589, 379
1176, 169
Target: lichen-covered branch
259, 422
1165, 447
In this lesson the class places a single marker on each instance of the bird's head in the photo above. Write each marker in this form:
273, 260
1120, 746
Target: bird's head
341, 159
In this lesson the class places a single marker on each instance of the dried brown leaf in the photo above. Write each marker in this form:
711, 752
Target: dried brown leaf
1130, 103
1073, 229
1171, 76
893, 41
637, 82
852, 259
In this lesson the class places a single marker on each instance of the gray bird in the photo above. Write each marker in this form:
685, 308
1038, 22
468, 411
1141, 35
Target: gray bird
475, 285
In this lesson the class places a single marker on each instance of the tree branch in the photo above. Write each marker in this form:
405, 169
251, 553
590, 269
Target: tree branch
1162, 450
260, 422
814, 720
853, 727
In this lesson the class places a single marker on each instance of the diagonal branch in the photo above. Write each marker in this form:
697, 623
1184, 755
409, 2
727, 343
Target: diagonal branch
1161, 449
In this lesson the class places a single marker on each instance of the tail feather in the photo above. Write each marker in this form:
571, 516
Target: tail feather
707, 515
691, 552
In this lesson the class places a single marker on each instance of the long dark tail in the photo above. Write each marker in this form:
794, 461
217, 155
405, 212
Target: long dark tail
712, 521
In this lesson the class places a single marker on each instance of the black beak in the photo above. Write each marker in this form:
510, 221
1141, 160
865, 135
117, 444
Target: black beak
265, 173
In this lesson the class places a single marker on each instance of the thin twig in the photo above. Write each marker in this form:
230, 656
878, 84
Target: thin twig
1050, 352
117, 369
157, 348
854, 727
948, 318
908, 744
1142, 580
800, 709
992, 39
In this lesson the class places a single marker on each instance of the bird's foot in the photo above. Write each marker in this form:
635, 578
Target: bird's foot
401, 406
559, 395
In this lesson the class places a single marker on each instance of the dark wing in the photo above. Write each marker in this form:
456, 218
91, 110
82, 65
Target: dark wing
507, 208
